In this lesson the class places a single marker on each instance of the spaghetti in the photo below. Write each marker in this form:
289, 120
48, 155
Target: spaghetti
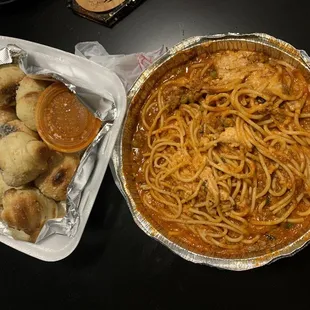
222, 153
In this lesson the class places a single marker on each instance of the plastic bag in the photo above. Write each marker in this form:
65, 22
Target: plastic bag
127, 67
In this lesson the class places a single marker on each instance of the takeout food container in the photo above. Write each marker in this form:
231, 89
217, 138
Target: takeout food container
178, 55
91, 76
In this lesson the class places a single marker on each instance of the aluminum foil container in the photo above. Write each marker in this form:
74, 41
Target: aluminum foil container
176, 56
102, 92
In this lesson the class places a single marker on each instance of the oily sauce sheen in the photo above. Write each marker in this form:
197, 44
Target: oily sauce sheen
221, 154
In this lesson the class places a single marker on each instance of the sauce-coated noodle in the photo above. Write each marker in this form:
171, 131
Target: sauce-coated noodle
222, 153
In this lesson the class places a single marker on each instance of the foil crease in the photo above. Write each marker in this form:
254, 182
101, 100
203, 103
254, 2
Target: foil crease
102, 106
254, 41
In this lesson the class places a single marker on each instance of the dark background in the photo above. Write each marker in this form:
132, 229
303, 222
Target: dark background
116, 266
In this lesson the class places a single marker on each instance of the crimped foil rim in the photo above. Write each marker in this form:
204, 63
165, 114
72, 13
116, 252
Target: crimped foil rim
234, 264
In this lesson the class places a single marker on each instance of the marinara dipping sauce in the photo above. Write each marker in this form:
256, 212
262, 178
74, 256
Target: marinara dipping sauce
63, 122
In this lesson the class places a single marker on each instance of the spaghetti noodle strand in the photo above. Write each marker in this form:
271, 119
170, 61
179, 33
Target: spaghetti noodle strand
222, 152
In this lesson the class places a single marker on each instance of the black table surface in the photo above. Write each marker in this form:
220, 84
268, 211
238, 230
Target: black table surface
116, 266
